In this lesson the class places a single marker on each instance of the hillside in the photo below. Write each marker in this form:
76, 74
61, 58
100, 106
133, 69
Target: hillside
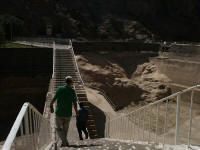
127, 82
109, 19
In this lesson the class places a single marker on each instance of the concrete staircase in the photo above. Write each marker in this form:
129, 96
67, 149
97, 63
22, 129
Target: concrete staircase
65, 65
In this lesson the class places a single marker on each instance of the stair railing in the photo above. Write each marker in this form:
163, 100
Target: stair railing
30, 131
54, 52
103, 93
76, 65
158, 122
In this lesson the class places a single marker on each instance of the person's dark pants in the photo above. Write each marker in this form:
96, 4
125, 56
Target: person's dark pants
81, 126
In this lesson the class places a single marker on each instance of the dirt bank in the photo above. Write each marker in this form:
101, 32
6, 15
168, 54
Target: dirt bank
128, 78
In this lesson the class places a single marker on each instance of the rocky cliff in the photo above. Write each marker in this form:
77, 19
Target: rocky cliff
109, 19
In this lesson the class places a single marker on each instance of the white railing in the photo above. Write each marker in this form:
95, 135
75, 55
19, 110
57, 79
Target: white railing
42, 40
30, 131
54, 52
167, 121
76, 65
103, 93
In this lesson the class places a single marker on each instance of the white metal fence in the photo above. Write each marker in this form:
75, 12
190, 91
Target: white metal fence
30, 131
76, 65
170, 120
103, 93
42, 40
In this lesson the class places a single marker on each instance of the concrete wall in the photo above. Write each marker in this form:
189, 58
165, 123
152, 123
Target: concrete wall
179, 71
31, 61
24, 76
115, 46
184, 52
182, 65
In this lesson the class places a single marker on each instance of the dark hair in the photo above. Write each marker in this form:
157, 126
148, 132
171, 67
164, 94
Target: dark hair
68, 79
81, 104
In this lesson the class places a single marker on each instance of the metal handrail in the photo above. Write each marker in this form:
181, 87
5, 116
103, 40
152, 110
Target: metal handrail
147, 121
102, 92
76, 65
30, 130
54, 51
159, 101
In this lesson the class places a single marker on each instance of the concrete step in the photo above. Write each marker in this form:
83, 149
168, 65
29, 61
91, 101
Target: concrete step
69, 64
82, 95
67, 72
82, 98
61, 77
91, 127
64, 57
72, 69
65, 64
91, 122
80, 90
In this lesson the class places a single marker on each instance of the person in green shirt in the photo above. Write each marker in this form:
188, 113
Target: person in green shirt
65, 96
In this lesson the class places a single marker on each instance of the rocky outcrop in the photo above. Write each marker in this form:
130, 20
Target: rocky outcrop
128, 82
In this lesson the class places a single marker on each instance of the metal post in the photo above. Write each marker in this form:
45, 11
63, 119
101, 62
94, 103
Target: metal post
165, 125
150, 113
22, 132
21, 129
26, 123
54, 48
139, 126
190, 125
143, 124
30, 119
134, 127
27, 129
157, 118
34, 129
177, 118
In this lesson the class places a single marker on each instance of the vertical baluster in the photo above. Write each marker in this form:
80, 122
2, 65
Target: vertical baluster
190, 125
150, 113
127, 127
108, 133
123, 124
31, 130
130, 126
177, 119
143, 125
134, 137
131, 122
34, 129
30, 119
128, 130
37, 129
106, 129
112, 128
165, 125
22, 132
115, 128
157, 119
26, 129
139, 130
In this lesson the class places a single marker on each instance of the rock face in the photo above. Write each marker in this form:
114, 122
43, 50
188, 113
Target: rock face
109, 19
110, 78
127, 82
148, 77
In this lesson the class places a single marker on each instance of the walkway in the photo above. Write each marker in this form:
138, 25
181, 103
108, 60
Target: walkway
106, 144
